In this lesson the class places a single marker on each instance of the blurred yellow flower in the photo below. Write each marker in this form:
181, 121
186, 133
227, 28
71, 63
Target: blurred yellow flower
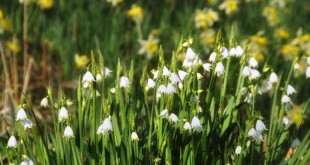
205, 18
45, 4
81, 61
289, 51
13, 46
114, 2
256, 46
282, 33
207, 38
271, 14
296, 115
136, 13
1, 14
230, 6
149, 46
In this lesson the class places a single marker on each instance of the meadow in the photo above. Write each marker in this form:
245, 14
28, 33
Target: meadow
154, 82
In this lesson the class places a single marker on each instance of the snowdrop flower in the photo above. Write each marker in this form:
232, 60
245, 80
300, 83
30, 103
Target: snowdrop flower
308, 60
190, 55
296, 67
150, 83
166, 71
27, 124
182, 74
105, 127
155, 74
170, 89
164, 113
260, 126
174, 118
253, 63
212, 57
88, 78
285, 120
273, 78
290, 90
196, 126
12, 143
68, 133
225, 52
98, 77
267, 86
106, 72
134, 136
187, 126
219, 69
63, 114
246, 71
21, 115
44, 102
244, 90
206, 67
239, 51
295, 143
285, 99
252, 133
161, 89
258, 137
27, 162
238, 150
174, 78
308, 72
254, 74
232, 52
124, 82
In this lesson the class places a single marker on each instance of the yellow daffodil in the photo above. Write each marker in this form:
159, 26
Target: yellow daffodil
45, 4
114, 2
271, 15
295, 115
205, 18
282, 33
207, 38
81, 61
135, 13
1, 14
149, 46
289, 51
256, 46
13, 46
230, 6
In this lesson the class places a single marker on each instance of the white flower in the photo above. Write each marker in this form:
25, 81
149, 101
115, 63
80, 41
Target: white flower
190, 55
199, 76
290, 90
63, 114
150, 83
174, 78
225, 52
44, 102
174, 118
68, 133
232, 52
244, 90
27, 124
252, 133
246, 71
273, 78
180, 85
166, 71
187, 126
113, 90
249, 98
12, 143
207, 67
134, 136
155, 74
88, 78
187, 63
182, 74
21, 115
285, 120
285, 99
239, 51
164, 113
260, 126
295, 143
253, 63
267, 86
124, 82
105, 127
161, 89
170, 89
219, 69
238, 150
254, 74
196, 126
212, 57
308, 60
258, 137
27, 162
98, 77
296, 67
308, 72
106, 72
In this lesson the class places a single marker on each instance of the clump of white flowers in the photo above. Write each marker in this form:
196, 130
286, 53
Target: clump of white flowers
256, 133
105, 127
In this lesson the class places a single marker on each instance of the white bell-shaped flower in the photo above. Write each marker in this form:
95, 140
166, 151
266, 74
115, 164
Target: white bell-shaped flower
27, 124
155, 74
164, 113
188, 63
246, 71
173, 118
150, 83
258, 137
239, 51
88, 78
225, 53
238, 150
161, 89
219, 69
253, 63
98, 77
166, 71
68, 133
295, 143
124, 82
190, 54
252, 133
260, 126
134, 136
254, 74
296, 67
63, 114
12, 143
44, 102
171, 89
187, 126
174, 78
273, 78
105, 127
182, 74
232, 52
106, 72
21, 115
308, 72
244, 91
196, 125
27, 162
285, 120
285, 99
206, 66
290, 90
212, 57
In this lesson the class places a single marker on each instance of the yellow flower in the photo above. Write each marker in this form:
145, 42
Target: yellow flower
81, 61
1, 14
296, 115
45, 4
289, 51
230, 6
207, 38
149, 46
271, 15
13, 46
114, 2
205, 18
282, 33
136, 13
